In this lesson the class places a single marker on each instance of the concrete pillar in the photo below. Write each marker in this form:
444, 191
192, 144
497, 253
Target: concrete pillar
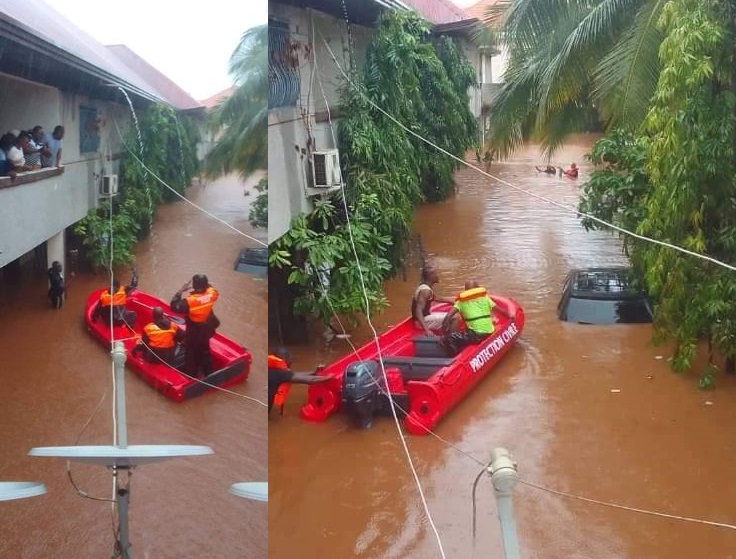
55, 249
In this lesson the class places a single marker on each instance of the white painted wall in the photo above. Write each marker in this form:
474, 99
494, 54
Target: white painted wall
499, 64
287, 132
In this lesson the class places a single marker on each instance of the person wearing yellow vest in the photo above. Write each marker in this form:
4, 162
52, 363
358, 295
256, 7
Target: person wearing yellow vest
112, 304
476, 308
201, 323
159, 339
281, 377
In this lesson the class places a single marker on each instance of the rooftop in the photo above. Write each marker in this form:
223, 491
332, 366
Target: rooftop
217, 98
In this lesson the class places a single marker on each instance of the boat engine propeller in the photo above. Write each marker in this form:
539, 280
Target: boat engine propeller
361, 391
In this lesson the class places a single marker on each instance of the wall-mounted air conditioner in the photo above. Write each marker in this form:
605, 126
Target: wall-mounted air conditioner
326, 169
109, 185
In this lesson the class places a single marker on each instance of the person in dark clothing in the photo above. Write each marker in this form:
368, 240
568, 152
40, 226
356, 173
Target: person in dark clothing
201, 323
56, 284
116, 300
281, 377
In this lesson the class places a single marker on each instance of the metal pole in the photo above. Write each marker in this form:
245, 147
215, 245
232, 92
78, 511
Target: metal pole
504, 477
122, 493
118, 358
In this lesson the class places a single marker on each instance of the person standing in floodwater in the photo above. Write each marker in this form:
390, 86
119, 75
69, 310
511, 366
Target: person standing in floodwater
56, 284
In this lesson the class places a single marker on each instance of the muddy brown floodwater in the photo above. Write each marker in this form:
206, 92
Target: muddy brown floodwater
583, 409
54, 374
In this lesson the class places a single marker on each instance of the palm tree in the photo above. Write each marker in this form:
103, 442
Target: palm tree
572, 61
242, 117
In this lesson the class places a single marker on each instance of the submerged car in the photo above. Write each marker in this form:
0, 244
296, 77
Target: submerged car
253, 261
602, 296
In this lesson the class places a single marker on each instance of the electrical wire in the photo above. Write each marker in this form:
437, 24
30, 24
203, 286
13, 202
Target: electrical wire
163, 182
402, 437
518, 188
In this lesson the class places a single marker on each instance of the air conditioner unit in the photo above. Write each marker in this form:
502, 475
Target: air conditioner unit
109, 185
326, 169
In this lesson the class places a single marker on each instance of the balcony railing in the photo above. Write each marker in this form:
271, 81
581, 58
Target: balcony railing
30, 176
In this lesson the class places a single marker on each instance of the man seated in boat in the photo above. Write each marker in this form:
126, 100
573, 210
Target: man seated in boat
116, 301
160, 339
421, 303
476, 309
281, 377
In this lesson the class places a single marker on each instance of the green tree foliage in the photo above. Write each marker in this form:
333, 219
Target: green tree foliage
673, 181
617, 187
169, 151
258, 215
241, 119
321, 242
423, 83
691, 201
571, 62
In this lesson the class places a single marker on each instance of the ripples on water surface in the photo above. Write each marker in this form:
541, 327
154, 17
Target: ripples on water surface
54, 373
336, 492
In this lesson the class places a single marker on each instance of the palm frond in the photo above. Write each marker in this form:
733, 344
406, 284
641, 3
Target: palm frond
625, 79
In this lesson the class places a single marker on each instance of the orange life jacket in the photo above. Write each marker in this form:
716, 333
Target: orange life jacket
282, 392
200, 304
160, 338
117, 300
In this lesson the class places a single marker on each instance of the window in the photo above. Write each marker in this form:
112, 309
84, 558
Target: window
89, 134
283, 69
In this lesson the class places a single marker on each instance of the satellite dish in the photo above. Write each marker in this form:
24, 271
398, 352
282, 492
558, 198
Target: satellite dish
10, 490
128, 456
256, 491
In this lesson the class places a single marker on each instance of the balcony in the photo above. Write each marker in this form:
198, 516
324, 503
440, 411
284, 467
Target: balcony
30, 176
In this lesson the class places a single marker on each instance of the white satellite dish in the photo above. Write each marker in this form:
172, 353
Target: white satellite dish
128, 456
256, 490
10, 490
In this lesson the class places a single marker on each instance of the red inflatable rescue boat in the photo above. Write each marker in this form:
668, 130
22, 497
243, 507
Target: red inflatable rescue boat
421, 379
230, 360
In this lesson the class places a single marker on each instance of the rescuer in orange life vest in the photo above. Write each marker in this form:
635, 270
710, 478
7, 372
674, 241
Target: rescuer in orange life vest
159, 339
201, 323
116, 300
281, 377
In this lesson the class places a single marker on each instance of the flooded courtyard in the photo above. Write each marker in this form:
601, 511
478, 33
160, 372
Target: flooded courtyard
592, 411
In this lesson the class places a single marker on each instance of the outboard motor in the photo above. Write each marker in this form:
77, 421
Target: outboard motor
361, 391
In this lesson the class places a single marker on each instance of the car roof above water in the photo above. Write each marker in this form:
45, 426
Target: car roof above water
602, 296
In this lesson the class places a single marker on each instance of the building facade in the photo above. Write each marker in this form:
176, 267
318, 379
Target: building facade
52, 73
304, 83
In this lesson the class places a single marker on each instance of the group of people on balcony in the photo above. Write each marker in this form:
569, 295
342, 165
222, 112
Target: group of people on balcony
28, 150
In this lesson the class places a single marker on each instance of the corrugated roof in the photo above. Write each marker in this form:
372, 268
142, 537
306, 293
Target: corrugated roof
42, 22
217, 98
171, 92
437, 11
